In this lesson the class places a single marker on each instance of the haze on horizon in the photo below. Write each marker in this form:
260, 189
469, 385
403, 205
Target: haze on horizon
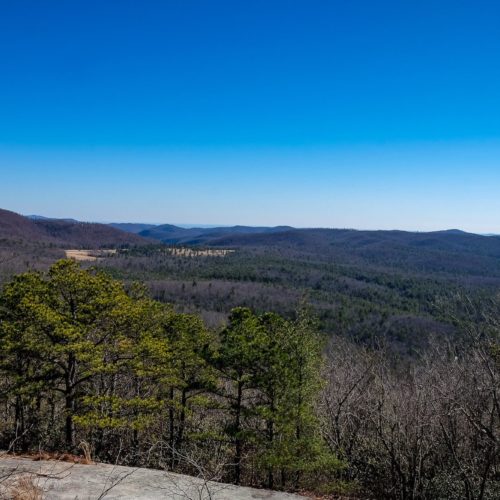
312, 114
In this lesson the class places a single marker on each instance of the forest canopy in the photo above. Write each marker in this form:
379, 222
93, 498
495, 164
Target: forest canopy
263, 400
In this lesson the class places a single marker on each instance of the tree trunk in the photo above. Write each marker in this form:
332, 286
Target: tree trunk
69, 408
238, 440
171, 428
270, 438
182, 419
69, 403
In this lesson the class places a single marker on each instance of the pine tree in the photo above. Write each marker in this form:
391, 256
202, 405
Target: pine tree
61, 325
236, 361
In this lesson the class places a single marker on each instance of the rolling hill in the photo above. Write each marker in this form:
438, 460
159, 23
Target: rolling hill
16, 227
453, 252
63, 233
450, 251
131, 227
168, 233
364, 284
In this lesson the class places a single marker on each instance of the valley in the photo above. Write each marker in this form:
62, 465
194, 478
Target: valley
191, 347
376, 287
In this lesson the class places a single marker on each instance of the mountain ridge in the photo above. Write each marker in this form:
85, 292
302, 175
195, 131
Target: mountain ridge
63, 232
168, 233
449, 250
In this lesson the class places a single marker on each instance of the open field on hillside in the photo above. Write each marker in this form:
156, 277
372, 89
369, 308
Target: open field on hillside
88, 255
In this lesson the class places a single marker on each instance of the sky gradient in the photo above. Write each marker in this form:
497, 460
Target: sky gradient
372, 115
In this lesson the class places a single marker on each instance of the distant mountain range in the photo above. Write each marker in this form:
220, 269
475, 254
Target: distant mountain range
258, 235
42, 218
131, 227
440, 250
168, 233
165, 233
63, 232
384, 245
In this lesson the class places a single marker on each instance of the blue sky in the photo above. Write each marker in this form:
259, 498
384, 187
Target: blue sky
311, 113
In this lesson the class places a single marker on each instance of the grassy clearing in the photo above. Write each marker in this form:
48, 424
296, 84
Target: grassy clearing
88, 255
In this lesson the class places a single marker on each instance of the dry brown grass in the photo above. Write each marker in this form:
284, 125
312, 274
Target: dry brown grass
88, 255
63, 457
22, 487
40, 455
87, 453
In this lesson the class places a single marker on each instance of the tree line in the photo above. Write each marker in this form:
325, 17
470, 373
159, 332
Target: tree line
87, 362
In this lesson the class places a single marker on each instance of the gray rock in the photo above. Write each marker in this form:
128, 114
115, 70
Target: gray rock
67, 481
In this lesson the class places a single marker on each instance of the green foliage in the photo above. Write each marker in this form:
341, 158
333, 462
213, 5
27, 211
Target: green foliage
382, 301
82, 357
62, 327
270, 370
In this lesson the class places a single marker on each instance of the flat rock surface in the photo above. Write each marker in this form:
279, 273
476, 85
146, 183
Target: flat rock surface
67, 481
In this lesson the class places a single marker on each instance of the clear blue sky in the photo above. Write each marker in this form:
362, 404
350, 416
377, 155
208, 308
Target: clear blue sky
366, 114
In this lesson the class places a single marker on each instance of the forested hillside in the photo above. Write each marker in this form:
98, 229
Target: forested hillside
35, 243
362, 364
378, 291
379, 287
62, 232
87, 363
168, 233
